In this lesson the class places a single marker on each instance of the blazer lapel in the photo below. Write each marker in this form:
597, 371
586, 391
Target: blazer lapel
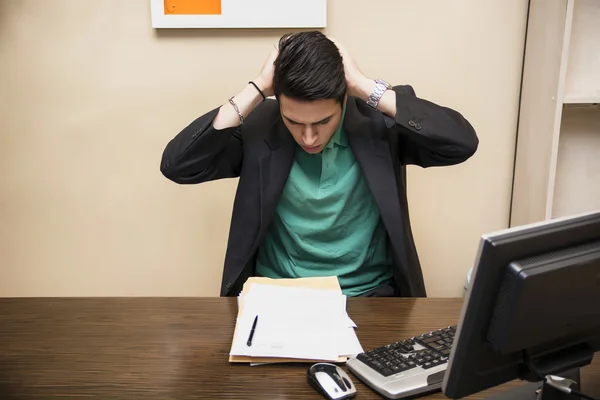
374, 158
274, 171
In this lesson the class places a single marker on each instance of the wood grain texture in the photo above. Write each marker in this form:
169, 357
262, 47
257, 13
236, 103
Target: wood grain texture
165, 348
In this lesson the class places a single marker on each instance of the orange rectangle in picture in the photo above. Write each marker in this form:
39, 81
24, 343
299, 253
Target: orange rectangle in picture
193, 7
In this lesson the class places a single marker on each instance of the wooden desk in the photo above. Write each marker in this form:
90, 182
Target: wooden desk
177, 348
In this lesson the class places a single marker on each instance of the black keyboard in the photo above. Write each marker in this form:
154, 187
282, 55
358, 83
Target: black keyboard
410, 363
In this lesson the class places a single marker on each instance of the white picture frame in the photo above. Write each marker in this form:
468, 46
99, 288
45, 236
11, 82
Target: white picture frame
247, 14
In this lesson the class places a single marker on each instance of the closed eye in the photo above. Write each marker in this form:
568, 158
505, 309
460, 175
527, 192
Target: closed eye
321, 122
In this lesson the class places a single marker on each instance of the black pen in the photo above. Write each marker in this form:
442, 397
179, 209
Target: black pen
249, 342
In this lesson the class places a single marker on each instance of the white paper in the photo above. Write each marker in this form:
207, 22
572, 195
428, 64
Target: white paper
295, 323
348, 343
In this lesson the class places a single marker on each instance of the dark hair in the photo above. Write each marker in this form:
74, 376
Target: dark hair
309, 67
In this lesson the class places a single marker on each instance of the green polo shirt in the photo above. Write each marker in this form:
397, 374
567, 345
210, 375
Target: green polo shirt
327, 223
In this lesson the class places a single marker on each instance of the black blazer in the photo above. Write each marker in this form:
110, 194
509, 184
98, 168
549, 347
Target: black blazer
260, 152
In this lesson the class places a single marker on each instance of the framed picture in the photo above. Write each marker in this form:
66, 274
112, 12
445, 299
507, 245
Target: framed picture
238, 13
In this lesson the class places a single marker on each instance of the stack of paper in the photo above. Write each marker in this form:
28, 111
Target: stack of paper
301, 319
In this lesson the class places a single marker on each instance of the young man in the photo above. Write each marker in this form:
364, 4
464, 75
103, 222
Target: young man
322, 186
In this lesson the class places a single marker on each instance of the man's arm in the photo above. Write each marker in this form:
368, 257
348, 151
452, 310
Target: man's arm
210, 147
249, 98
362, 88
430, 134
201, 152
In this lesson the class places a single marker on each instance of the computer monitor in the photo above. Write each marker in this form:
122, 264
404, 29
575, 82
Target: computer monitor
532, 310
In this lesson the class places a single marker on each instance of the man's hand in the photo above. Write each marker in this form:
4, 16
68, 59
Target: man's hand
354, 78
264, 80
360, 86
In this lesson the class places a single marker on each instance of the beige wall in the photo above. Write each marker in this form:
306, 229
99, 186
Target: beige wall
90, 94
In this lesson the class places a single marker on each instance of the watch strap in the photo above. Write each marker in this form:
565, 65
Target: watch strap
378, 91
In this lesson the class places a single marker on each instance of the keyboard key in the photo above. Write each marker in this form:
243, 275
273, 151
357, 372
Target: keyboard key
397, 369
437, 346
406, 348
364, 358
431, 339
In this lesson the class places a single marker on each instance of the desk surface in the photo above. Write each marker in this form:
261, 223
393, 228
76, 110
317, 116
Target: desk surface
137, 348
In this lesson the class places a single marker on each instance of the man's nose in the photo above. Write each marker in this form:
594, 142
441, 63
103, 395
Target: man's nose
309, 136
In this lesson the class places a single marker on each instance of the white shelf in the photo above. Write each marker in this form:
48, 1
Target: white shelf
577, 187
574, 99
582, 84
557, 166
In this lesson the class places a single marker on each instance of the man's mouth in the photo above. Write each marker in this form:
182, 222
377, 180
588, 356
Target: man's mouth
310, 149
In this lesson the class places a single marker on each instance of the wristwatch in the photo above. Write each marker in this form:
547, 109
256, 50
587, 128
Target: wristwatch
380, 87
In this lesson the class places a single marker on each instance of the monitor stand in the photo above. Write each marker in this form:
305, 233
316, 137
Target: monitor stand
540, 391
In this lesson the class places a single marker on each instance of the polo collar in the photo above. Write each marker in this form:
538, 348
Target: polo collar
339, 136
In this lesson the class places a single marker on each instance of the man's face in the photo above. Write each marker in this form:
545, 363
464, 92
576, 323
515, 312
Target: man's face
312, 123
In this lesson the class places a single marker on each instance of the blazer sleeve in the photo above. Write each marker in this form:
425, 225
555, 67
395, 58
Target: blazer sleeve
429, 134
201, 153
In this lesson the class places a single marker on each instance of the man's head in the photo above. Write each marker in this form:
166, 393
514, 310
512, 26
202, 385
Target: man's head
310, 84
